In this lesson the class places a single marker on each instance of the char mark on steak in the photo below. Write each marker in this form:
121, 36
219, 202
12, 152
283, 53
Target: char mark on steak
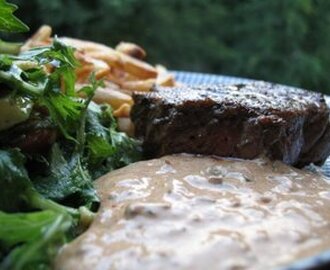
242, 120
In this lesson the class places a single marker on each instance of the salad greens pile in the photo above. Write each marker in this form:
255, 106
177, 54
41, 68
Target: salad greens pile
54, 141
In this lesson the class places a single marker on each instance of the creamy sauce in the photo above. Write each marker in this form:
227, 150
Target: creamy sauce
186, 212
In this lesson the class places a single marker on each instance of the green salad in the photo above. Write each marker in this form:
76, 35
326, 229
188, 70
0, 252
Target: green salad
54, 141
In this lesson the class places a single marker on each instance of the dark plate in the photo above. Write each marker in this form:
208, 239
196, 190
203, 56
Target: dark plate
320, 261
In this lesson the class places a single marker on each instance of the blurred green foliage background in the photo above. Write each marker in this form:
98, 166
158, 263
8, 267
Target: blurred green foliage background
285, 41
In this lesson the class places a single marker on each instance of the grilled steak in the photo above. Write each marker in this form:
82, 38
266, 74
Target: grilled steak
242, 120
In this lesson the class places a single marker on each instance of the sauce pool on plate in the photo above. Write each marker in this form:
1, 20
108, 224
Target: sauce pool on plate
194, 212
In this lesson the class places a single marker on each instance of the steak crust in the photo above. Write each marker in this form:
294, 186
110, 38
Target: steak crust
241, 120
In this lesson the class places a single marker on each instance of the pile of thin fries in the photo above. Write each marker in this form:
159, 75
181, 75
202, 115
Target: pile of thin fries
122, 69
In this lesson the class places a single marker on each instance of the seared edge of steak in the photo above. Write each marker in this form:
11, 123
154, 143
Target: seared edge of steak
243, 120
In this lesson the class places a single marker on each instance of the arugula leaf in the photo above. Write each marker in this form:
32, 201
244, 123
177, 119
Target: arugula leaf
66, 177
69, 176
98, 133
96, 146
88, 146
64, 111
128, 150
16, 189
8, 22
30, 240
34, 237
63, 105
14, 179
26, 226
107, 149
55, 91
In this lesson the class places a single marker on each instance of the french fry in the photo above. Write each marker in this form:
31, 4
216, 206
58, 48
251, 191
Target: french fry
40, 38
123, 111
119, 76
115, 79
112, 59
112, 96
121, 69
164, 78
131, 65
137, 67
84, 72
131, 49
87, 59
125, 125
86, 46
141, 85
89, 65
26, 65
129, 77
100, 74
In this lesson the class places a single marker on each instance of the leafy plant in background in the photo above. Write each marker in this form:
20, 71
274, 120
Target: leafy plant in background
281, 41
